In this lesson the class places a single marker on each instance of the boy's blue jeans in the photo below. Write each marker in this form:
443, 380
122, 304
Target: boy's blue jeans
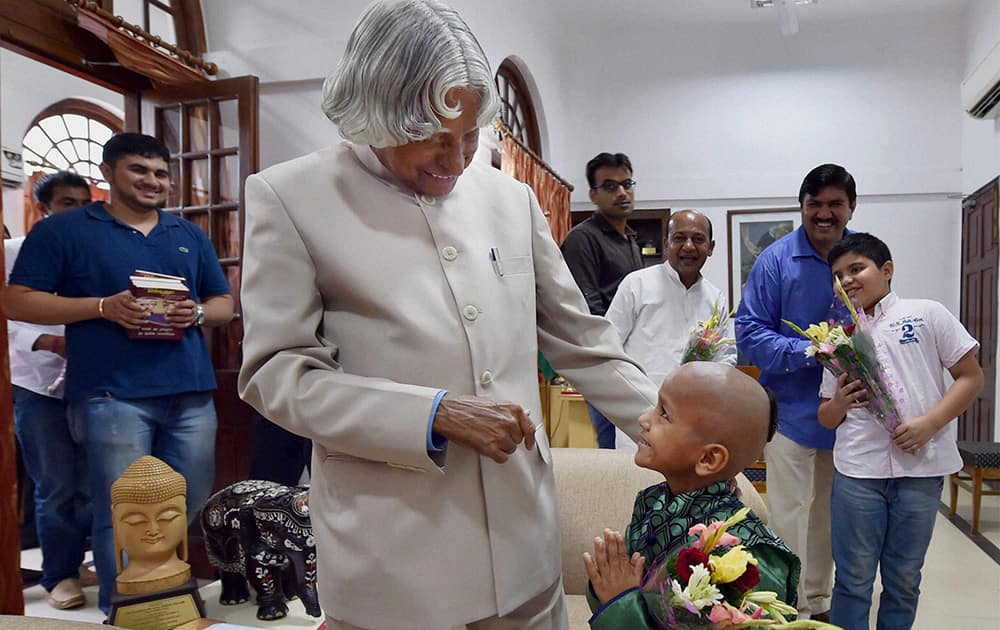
55, 460
178, 429
885, 525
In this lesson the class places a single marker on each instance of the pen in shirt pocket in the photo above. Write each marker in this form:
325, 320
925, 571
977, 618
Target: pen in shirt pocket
496, 261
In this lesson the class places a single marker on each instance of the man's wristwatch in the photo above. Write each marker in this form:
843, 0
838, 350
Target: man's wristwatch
199, 318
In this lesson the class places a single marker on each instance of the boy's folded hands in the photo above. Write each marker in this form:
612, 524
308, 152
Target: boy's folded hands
610, 569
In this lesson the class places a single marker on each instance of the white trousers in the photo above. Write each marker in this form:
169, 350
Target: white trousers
545, 611
799, 481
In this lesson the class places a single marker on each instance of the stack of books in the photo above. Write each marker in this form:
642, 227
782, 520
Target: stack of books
157, 291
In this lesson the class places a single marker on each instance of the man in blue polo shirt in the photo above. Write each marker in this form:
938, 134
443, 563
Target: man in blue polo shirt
791, 280
128, 397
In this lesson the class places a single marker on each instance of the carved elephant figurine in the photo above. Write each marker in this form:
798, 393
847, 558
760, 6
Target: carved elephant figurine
259, 532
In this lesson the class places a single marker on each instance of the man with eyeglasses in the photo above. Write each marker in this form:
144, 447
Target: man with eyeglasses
602, 250
655, 308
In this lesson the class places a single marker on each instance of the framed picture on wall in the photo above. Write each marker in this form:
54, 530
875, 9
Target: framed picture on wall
749, 233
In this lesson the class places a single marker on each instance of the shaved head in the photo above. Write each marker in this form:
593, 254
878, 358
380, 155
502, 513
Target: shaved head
732, 409
690, 216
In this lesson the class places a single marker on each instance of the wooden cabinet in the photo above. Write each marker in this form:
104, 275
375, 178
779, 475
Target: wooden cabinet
650, 227
567, 422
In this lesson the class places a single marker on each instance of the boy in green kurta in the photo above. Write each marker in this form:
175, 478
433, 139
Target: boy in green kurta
710, 423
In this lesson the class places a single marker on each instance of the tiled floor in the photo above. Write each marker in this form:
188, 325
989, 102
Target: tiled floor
960, 590
989, 514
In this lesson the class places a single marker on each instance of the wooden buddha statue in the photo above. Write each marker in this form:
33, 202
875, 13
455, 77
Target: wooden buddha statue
150, 526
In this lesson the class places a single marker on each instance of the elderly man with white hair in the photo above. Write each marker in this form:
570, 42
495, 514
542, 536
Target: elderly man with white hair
395, 296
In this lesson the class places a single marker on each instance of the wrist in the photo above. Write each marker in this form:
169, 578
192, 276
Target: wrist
938, 422
40, 343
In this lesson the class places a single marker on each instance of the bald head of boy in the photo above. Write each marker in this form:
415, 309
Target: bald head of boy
711, 422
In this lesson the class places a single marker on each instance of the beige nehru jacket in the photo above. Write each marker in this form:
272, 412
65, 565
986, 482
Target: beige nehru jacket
361, 301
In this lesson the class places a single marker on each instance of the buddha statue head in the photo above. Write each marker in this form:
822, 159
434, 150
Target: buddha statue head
150, 525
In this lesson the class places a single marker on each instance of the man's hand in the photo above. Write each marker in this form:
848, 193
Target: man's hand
52, 343
913, 434
182, 314
610, 570
123, 309
489, 427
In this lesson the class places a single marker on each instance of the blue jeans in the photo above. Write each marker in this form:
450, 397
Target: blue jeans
178, 429
55, 461
884, 525
602, 427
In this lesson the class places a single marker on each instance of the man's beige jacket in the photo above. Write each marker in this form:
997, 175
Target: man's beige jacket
361, 301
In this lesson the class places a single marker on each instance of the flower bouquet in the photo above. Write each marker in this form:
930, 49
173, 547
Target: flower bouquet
708, 338
709, 584
850, 349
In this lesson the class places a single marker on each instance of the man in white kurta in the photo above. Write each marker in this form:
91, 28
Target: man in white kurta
53, 456
655, 308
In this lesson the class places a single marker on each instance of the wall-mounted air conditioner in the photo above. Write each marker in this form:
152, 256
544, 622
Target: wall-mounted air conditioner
981, 90
12, 168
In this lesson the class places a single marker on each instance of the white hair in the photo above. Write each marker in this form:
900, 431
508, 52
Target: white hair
402, 59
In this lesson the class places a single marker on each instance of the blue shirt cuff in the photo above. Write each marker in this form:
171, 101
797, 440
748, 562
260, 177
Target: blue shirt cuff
435, 443
807, 361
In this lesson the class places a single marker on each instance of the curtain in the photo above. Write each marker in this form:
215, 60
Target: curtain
31, 213
552, 194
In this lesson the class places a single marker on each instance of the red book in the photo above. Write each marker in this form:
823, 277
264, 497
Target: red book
157, 293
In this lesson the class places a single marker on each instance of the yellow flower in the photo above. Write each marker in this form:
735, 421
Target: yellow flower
818, 332
731, 565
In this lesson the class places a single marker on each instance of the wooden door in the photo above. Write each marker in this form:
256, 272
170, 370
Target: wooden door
980, 259
211, 131
11, 595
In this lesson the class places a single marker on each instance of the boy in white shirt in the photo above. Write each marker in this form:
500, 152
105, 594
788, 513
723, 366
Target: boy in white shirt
887, 486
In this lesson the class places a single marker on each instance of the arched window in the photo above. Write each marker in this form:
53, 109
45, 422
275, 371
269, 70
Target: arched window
69, 135
518, 110
177, 22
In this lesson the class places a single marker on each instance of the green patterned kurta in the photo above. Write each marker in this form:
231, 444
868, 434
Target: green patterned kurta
660, 521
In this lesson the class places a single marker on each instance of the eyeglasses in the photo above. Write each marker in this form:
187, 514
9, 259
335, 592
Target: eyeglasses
610, 185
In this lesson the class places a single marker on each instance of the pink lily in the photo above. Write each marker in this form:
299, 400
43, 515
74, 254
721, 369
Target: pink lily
707, 532
726, 614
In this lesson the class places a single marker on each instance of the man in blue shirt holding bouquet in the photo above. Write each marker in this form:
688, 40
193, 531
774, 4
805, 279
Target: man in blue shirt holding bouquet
791, 280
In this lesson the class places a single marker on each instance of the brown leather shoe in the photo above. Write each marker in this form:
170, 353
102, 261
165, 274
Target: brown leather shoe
67, 594
823, 616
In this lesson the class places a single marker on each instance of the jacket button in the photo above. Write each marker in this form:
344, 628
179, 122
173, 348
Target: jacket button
486, 378
427, 199
470, 312
449, 253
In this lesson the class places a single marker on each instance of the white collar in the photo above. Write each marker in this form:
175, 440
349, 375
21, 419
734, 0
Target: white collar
887, 302
672, 274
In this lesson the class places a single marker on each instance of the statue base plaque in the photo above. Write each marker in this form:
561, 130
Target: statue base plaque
157, 611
